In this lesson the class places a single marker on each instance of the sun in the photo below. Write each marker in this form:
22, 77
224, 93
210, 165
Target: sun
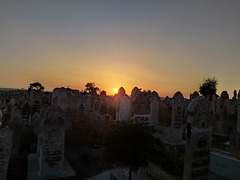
116, 90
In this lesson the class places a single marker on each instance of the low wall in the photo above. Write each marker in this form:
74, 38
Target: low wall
225, 166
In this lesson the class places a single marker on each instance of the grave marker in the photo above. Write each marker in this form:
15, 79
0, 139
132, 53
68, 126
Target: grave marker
198, 140
6, 138
51, 150
177, 117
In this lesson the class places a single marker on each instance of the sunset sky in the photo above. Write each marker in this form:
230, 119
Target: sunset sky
166, 46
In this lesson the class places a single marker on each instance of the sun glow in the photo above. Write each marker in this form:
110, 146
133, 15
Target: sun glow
116, 90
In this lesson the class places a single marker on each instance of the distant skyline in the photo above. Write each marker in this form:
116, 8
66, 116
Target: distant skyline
163, 46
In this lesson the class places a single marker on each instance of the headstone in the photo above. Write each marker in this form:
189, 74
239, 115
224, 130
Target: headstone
16, 125
177, 118
223, 112
49, 162
142, 104
51, 142
36, 101
198, 140
214, 103
154, 106
82, 103
123, 112
59, 97
6, 138
194, 95
134, 93
165, 112
96, 104
238, 113
68, 116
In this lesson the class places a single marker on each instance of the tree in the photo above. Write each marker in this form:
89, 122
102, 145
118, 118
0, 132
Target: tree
129, 143
35, 86
90, 88
208, 87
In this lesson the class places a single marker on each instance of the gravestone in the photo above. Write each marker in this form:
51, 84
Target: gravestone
214, 103
6, 138
96, 104
49, 162
123, 112
134, 93
154, 106
238, 113
177, 118
68, 120
36, 101
223, 112
51, 142
165, 112
198, 140
142, 104
16, 125
82, 103
59, 97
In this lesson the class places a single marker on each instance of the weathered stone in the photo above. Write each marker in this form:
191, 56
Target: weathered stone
221, 125
51, 142
36, 101
123, 112
177, 118
165, 112
238, 113
154, 106
6, 138
16, 125
142, 104
198, 140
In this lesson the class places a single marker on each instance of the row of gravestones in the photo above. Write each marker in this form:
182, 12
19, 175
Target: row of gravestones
199, 130
198, 142
148, 106
144, 105
50, 152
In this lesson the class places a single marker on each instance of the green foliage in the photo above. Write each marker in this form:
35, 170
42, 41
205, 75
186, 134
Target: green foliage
90, 88
208, 87
170, 159
129, 143
36, 86
86, 131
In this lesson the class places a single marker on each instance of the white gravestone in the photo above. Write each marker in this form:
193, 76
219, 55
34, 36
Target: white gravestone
6, 138
51, 150
123, 113
198, 140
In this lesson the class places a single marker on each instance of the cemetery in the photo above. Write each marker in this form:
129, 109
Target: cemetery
60, 134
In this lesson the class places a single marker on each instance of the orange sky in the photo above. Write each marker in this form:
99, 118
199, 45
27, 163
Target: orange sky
159, 46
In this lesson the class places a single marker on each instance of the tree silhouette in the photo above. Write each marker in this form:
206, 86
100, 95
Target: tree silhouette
208, 87
129, 144
90, 88
35, 86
